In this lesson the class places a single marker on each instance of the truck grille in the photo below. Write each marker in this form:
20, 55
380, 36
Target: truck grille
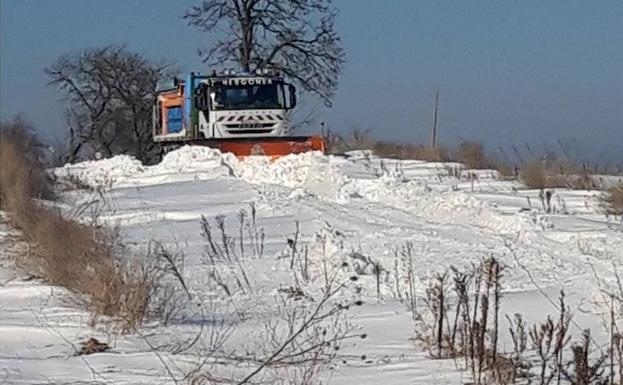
249, 125
250, 131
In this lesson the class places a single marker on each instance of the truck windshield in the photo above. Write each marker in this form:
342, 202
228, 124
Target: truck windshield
240, 97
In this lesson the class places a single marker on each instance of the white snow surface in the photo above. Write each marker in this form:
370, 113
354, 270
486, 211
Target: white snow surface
360, 210
192, 161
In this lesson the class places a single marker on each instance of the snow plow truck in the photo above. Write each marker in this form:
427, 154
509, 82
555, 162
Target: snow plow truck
245, 114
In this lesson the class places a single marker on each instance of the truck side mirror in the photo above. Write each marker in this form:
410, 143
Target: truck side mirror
201, 97
292, 94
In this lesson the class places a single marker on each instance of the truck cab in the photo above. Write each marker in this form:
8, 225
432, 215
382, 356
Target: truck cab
225, 106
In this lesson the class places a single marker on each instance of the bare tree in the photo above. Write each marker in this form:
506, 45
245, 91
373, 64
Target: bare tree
110, 93
296, 37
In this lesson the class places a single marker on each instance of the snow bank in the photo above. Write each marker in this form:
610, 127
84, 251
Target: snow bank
294, 170
400, 184
189, 157
101, 173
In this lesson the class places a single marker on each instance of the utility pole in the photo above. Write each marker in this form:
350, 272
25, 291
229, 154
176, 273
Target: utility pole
433, 139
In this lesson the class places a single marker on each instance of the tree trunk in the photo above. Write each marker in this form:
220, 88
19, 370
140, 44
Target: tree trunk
246, 44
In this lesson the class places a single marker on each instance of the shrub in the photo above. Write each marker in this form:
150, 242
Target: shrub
360, 140
356, 140
550, 173
534, 175
472, 155
84, 259
421, 152
613, 200
19, 181
505, 168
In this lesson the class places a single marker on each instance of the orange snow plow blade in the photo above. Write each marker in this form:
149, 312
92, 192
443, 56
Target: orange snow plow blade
273, 147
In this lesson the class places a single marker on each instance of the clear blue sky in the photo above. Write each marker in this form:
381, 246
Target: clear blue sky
516, 71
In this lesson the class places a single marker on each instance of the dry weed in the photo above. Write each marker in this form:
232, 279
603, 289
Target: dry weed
534, 175
84, 259
544, 173
472, 155
19, 181
613, 200
360, 140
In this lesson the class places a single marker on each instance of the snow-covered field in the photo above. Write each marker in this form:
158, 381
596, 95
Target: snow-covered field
359, 210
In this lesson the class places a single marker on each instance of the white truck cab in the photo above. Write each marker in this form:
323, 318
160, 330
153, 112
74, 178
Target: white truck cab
223, 106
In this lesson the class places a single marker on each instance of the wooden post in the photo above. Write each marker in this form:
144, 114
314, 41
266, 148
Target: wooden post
433, 140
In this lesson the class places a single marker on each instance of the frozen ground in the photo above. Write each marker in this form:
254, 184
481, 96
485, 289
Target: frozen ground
346, 206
